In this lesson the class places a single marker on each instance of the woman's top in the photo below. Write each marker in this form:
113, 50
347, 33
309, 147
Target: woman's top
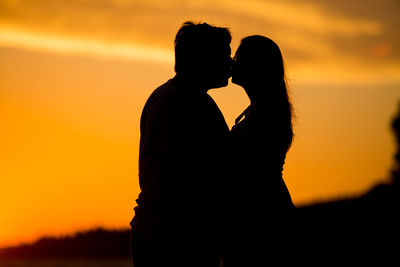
256, 195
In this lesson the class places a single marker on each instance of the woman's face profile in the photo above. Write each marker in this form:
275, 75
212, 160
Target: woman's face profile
245, 65
238, 69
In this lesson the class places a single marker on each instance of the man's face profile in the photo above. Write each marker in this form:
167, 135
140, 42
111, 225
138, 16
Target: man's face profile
219, 66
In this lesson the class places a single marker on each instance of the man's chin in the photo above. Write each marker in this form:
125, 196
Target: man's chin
221, 83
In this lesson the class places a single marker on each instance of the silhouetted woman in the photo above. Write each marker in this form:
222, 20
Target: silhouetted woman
259, 209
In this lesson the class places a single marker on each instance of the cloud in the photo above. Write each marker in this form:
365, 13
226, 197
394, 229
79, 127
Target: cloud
17, 38
383, 12
341, 37
153, 19
304, 16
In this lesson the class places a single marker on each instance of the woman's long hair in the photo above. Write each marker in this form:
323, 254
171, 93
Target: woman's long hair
265, 70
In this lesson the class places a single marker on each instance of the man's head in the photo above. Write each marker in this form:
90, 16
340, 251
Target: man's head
203, 54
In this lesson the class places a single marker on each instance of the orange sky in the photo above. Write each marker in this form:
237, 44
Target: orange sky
74, 76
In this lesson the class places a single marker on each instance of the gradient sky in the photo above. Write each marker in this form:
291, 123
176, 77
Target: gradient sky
75, 74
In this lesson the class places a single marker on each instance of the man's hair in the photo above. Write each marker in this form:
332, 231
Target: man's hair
194, 44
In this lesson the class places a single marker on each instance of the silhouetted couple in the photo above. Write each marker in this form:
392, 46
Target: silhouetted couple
209, 194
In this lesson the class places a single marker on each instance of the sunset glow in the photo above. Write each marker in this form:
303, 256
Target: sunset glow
74, 76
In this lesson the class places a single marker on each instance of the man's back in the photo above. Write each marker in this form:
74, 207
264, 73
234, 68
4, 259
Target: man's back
181, 134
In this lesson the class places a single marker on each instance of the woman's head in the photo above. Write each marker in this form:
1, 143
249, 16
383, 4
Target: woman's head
259, 68
258, 61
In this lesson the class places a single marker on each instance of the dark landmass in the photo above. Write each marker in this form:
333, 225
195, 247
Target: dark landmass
97, 243
367, 226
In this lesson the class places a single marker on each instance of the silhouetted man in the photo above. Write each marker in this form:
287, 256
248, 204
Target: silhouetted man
182, 132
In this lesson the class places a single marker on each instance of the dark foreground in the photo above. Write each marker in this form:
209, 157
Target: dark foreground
66, 263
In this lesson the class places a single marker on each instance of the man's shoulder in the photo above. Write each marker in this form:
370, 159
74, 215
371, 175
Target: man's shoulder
163, 93
163, 101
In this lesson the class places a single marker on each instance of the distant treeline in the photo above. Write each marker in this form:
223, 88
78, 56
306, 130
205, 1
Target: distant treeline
98, 243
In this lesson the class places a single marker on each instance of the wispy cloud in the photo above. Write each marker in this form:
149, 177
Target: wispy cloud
63, 44
302, 16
